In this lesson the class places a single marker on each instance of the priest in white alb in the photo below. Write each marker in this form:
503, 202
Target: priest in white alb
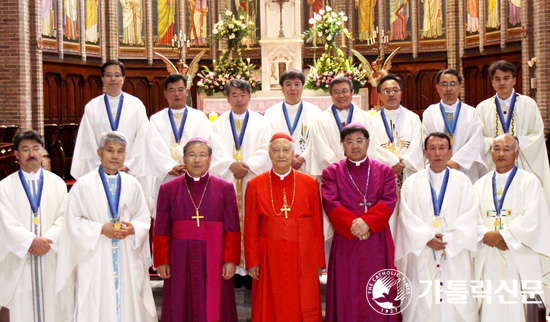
240, 140
103, 270
113, 111
517, 115
460, 122
31, 213
294, 116
396, 136
436, 238
168, 132
513, 236
324, 145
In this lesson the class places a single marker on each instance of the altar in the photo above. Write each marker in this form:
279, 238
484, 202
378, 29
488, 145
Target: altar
261, 101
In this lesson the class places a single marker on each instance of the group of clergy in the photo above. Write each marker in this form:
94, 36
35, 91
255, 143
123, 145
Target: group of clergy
460, 197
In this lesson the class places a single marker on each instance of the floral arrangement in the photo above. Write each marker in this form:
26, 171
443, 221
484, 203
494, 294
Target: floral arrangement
326, 25
236, 32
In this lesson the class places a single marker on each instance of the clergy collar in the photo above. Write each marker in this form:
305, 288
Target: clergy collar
292, 106
32, 175
196, 179
505, 174
179, 110
238, 116
393, 112
450, 107
436, 174
507, 101
358, 163
282, 176
114, 97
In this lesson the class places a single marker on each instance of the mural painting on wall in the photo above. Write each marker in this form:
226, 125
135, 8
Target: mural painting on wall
197, 22
47, 18
71, 20
431, 12
366, 19
514, 14
493, 21
92, 22
249, 10
49, 27
131, 18
514, 20
398, 17
165, 22
312, 7
472, 16
472, 23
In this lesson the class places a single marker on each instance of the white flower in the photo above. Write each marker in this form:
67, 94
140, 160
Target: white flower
338, 22
231, 26
330, 20
241, 17
320, 34
232, 36
345, 18
321, 12
228, 13
318, 17
346, 30
328, 9
329, 37
341, 13
215, 31
334, 15
311, 21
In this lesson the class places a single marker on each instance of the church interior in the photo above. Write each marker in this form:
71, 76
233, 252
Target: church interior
52, 52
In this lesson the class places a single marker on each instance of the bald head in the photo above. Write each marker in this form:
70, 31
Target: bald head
505, 152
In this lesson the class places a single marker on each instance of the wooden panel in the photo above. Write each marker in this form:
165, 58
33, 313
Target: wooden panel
52, 98
477, 83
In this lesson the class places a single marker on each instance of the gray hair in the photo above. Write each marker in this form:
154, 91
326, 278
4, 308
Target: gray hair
505, 135
115, 137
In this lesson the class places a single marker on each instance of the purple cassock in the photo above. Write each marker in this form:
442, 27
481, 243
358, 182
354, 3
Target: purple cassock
353, 262
196, 250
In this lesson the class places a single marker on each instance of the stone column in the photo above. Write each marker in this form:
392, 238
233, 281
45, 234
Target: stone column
111, 29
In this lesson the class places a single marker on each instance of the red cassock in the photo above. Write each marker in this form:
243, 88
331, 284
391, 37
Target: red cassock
196, 291
288, 250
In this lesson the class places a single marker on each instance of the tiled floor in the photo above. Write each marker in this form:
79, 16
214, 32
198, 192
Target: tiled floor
243, 297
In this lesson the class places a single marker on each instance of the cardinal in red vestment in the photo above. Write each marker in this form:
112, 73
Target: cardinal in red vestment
283, 240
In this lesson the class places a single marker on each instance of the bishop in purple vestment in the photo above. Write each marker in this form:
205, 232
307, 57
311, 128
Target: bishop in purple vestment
197, 242
359, 195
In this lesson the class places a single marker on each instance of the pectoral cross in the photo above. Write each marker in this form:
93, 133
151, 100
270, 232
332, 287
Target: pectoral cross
197, 217
285, 208
365, 204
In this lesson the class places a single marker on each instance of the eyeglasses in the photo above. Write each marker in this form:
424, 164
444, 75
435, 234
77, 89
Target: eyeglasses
35, 150
174, 90
109, 75
451, 84
197, 156
393, 91
352, 142
344, 91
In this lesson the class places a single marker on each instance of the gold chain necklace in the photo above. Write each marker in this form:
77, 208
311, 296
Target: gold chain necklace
285, 207
200, 202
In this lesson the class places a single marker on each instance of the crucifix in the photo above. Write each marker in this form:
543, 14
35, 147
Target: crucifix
197, 217
365, 204
285, 208
281, 2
